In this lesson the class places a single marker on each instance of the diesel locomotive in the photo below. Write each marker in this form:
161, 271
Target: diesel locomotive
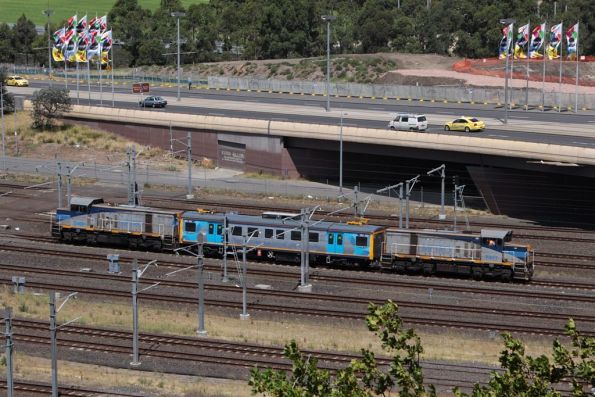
278, 237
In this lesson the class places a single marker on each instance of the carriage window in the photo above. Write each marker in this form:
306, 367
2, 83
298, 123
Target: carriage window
361, 241
280, 234
190, 227
268, 233
253, 230
219, 230
296, 236
236, 231
339, 239
331, 238
211, 228
313, 237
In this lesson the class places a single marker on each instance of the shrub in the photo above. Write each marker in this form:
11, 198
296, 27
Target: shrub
49, 104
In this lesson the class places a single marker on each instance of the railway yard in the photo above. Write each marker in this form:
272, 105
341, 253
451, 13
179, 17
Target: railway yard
458, 319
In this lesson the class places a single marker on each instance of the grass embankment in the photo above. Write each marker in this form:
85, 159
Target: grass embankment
79, 143
64, 9
345, 69
314, 334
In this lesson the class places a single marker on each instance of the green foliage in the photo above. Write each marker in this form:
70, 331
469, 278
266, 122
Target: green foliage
48, 105
528, 376
361, 378
7, 98
521, 375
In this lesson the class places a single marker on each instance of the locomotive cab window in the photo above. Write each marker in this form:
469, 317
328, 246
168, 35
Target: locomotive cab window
219, 230
211, 228
331, 238
361, 241
492, 242
296, 236
339, 239
313, 237
268, 233
236, 231
190, 227
280, 234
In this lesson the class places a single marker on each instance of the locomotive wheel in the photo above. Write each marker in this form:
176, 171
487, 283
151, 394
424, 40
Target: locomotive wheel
506, 275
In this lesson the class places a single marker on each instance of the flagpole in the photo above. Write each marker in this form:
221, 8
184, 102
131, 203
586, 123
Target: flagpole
527, 57
113, 66
544, 60
66, 74
560, 81
511, 90
78, 101
576, 87
100, 73
89, 80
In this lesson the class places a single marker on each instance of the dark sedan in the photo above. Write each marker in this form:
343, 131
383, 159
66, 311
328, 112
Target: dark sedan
153, 102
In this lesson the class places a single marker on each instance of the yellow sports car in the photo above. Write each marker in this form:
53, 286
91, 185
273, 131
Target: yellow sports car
465, 124
17, 81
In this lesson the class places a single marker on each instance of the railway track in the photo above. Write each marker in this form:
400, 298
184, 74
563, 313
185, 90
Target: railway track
36, 388
307, 303
220, 352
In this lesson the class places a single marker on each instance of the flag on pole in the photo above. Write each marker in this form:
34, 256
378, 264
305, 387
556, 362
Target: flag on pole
99, 24
72, 22
505, 41
94, 50
537, 38
555, 41
572, 41
522, 39
81, 25
106, 40
83, 42
57, 54
104, 57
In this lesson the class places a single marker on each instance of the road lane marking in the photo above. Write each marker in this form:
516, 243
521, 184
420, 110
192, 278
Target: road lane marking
584, 143
215, 114
498, 136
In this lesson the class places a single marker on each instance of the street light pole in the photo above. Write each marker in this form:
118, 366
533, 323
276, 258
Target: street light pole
328, 19
178, 15
49, 12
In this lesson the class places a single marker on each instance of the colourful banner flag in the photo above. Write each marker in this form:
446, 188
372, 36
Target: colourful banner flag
82, 46
58, 37
72, 22
555, 41
505, 42
522, 40
81, 25
572, 41
537, 40
104, 57
57, 54
70, 51
99, 24
106, 40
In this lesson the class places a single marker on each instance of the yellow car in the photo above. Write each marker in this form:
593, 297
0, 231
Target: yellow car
17, 81
465, 124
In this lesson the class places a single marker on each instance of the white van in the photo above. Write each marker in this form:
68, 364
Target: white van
410, 122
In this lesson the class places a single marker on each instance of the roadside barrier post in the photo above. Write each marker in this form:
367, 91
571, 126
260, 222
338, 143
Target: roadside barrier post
9, 351
244, 315
201, 285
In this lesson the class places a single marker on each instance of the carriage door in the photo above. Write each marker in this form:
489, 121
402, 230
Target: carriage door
335, 243
190, 231
214, 233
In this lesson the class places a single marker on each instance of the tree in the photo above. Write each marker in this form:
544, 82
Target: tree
24, 34
48, 105
361, 378
521, 375
6, 50
7, 98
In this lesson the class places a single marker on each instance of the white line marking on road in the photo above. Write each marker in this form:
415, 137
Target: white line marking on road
498, 136
590, 121
584, 143
519, 117
215, 114
444, 112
